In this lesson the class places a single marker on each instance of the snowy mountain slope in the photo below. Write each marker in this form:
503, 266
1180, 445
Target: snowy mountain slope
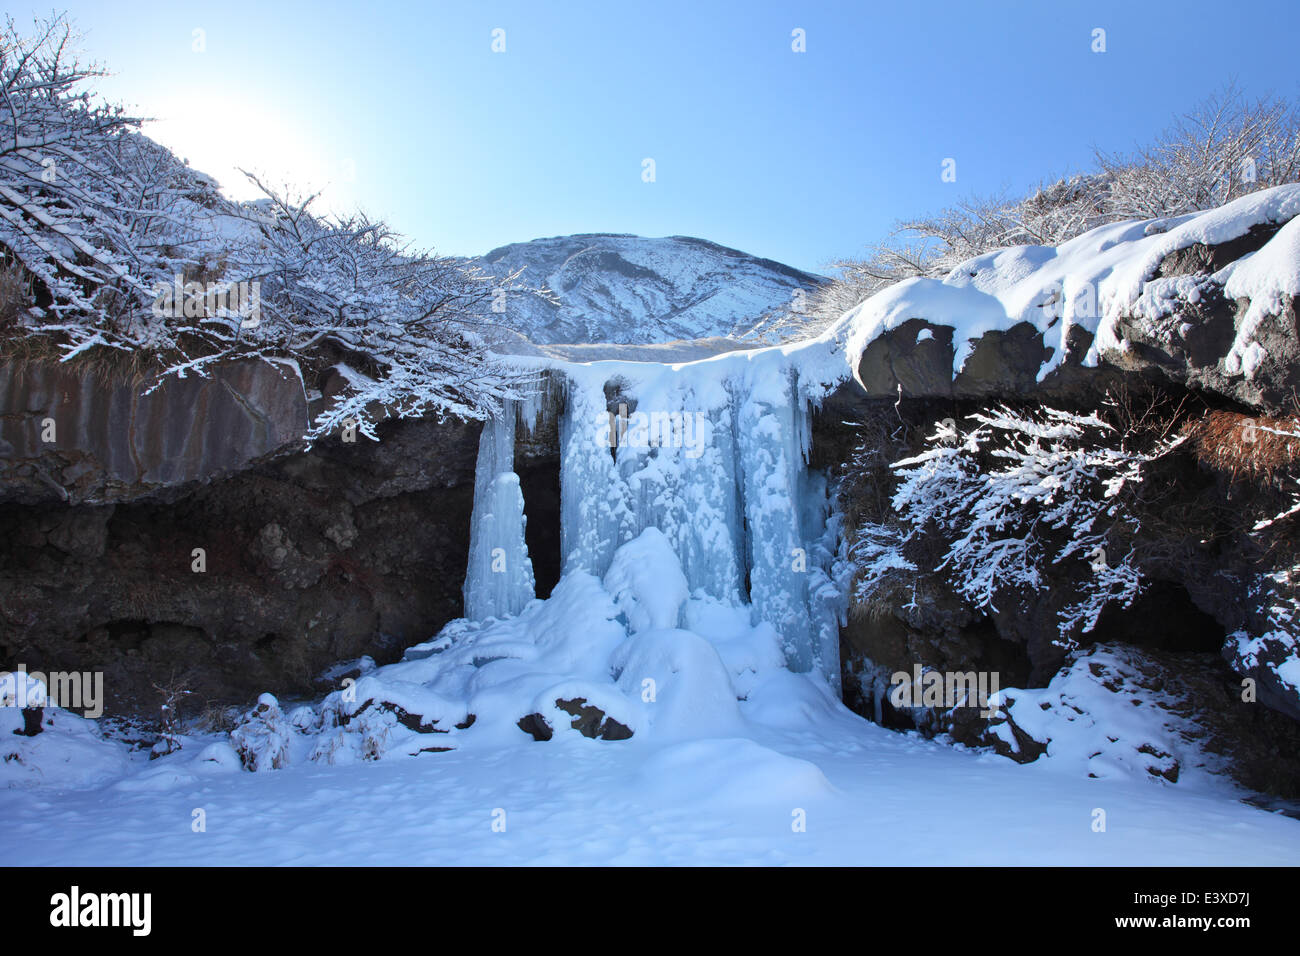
630, 290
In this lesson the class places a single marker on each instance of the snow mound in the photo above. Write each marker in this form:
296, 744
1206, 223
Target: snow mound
733, 772
646, 581
680, 681
68, 753
1107, 715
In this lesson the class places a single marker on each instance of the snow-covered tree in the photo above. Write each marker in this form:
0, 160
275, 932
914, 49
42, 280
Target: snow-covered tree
1022, 491
109, 241
60, 209
416, 324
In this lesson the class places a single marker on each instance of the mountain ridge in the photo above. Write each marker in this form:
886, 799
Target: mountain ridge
621, 288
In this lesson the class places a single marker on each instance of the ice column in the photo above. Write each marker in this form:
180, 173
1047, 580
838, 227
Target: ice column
595, 512
500, 576
770, 439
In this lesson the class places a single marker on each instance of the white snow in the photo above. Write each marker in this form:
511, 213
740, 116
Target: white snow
647, 583
1091, 282
869, 797
1107, 715
1267, 278
69, 751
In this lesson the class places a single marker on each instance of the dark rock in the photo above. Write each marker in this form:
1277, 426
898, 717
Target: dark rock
32, 717
535, 725
1202, 258
588, 720
112, 442
312, 557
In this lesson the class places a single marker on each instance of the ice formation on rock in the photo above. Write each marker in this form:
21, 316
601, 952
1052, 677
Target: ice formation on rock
499, 580
713, 455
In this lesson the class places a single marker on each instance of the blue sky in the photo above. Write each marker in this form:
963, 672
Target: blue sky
404, 109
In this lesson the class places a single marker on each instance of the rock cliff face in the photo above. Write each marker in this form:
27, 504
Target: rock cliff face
198, 540
1187, 339
83, 435
1208, 304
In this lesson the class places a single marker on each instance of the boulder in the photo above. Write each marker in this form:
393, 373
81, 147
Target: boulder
588, 719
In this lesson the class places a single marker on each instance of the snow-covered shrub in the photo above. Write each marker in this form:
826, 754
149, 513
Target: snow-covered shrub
262, 739
876, 553
1224, 148
1017, 493
219, 755
376, 716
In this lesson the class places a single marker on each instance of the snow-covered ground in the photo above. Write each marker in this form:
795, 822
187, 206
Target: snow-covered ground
870, 797
732, 758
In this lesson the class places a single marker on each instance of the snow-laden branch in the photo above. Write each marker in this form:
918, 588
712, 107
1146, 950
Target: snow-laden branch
123, 246
1021, 491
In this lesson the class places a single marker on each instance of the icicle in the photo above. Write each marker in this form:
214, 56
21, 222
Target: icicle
540, 403
499, 580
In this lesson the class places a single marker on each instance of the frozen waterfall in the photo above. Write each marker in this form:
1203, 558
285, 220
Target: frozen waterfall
714, 459
499, 580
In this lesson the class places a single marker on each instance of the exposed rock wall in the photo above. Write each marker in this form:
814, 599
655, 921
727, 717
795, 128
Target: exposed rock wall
308, 557
81, 434
1202, 560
